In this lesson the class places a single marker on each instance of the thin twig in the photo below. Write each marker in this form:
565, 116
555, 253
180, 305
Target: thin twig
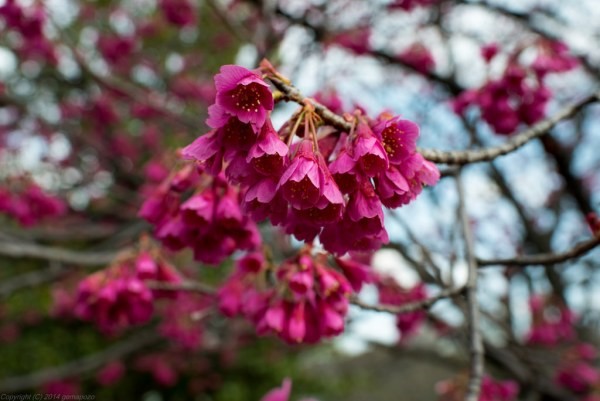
34, 251
476, 350
412, 306
68, 232
84, 365
545, 258
426, 253
456, 157
191, 286
31, 279
320, 33
423, 273
527, 20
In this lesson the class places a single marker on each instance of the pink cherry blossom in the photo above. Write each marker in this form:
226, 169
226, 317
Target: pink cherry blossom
243, 94
368, 151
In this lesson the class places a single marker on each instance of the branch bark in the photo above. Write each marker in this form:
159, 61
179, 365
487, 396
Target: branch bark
34, 251
456, 157
410, 307
80, 366
545, 258
476, 351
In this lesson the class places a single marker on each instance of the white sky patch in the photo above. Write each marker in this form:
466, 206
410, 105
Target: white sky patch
519, 305
367, 326
460, 273
390, 262
31, 150
59, 147
246, 56
8, 63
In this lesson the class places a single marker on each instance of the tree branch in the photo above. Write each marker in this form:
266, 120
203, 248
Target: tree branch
190, 286
84, 365
31, 279
321, 33
34, 251
476, 350
412, 306
545, 258
458, 157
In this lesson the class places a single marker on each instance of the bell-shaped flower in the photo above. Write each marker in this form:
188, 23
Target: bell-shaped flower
368, 151
268, 154
399, 138
301, 183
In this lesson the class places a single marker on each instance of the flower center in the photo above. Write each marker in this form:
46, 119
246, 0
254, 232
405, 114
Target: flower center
247, 97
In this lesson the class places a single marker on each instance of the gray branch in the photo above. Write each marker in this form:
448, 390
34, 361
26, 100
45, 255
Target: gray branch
80, 366
456, 157
476, 351
545, 258
27, 250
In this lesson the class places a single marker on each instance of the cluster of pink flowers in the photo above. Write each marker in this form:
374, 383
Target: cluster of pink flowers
552, 322
577, 373
391, 293
29, 23
302, 300
491, 389
331, 186
30, 205
554, 57
210, 221
117, 297
520, 95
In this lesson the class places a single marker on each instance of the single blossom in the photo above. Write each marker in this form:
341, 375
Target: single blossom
301, 183
344, 171
399, 137
368, 151
206, 150
243, 94
268, 154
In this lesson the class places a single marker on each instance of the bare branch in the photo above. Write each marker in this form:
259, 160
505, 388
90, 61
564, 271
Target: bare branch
409, 307
505, 358
34, 251
320, 33
458, 157
191, 286
31, 279
515, 142
476, 350
65, 232
84, 365
293, 94
545, 258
